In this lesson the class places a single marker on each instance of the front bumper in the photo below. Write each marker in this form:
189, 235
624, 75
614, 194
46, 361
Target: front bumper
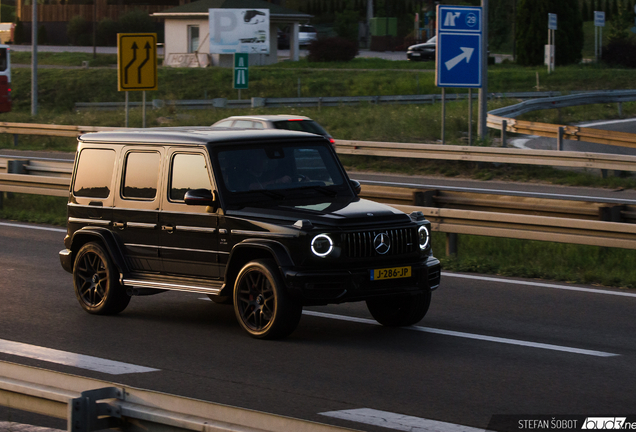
313, 287
66, 259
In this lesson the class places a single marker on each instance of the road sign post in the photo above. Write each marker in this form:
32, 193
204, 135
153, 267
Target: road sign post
241, 71
599, 23
459, 54
137, 65
549, 48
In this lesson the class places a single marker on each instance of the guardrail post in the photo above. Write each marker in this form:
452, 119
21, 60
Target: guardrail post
424, 198
504, 126
611, 213
85, 414
620, 109
15, 140
560, 139
451, 244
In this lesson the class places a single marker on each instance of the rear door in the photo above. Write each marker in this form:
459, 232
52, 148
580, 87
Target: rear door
136, 213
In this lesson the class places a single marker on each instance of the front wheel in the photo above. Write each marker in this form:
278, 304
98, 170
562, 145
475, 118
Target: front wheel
95, 281
261, 305
400, 311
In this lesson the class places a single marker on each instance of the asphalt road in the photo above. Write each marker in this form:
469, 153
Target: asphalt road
555, 351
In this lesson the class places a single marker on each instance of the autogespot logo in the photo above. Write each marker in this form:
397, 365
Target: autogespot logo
382, 243
604, 423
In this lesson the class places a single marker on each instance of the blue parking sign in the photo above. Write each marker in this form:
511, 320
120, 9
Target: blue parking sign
459, 47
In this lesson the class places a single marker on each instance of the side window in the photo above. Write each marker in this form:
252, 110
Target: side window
226, 123
189, 171
141, 175
94, 173
258, 125
243, 124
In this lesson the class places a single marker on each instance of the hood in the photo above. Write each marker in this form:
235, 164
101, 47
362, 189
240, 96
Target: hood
327, 213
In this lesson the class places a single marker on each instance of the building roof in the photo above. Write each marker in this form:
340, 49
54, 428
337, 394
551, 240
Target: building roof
200, 9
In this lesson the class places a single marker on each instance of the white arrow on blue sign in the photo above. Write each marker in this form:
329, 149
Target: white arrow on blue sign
459, 52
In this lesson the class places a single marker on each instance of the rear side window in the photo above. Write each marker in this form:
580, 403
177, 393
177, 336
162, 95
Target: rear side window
301, 125
94, 173
141, 175
189, 172
226, 123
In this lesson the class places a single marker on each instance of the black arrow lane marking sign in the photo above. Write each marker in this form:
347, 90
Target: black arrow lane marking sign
134, 50
147, 48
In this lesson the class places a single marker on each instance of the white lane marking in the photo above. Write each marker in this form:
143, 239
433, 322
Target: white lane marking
540, 284
469, 335
71, 359
505, 192
19, 427
35, 227
399, 422
606, 122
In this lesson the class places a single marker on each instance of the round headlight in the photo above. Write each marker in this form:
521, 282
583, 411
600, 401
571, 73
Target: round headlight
423, 237
322, 245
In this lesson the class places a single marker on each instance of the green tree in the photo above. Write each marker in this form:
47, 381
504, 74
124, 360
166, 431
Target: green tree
136, 22
499, 22
584, 12
620, 25
532, 32
346, 23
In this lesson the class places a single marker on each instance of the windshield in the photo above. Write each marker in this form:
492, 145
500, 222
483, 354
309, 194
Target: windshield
280, 172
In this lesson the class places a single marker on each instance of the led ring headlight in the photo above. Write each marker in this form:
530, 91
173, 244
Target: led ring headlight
322, 245
423, 236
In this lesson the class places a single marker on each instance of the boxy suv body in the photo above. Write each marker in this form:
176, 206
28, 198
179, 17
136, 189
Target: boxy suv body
265, 220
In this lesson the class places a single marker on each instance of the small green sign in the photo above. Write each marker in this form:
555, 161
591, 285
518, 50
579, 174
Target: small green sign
241, 71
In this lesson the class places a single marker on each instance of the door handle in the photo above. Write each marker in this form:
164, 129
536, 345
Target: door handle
120, 225
168, 228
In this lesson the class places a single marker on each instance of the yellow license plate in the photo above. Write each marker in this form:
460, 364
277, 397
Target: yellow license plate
390, 273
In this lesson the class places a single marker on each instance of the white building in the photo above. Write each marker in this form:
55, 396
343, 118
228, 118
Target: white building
187, 41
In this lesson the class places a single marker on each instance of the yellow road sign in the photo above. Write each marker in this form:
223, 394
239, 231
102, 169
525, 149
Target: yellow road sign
137, 61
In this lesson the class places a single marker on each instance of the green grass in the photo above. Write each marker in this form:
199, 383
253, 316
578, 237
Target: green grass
64, 59
543, 260
34, 208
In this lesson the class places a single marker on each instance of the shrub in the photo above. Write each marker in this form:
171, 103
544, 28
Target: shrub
346, 25
18, 33
136, 22
43, 37
620, 52
78, 31
107, 30
332, 50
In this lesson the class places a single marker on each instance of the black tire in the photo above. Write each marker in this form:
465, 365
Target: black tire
400, 311
261, 305
96, 283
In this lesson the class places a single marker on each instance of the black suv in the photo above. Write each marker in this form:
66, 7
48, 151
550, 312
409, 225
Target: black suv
265, 220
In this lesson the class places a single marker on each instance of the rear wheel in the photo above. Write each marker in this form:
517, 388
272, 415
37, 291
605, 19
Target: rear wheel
400, 311
261, 304
96, 283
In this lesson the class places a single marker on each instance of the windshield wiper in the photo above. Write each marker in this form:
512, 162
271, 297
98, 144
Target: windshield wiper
269, 193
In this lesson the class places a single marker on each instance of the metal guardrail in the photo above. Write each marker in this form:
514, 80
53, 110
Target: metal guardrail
489, 154
548, 219
496, 118
258, 102
91, 405
48, 129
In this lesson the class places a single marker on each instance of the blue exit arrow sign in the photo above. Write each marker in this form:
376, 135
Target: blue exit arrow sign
459, 52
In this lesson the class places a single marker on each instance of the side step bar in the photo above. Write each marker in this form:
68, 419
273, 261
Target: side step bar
146, 287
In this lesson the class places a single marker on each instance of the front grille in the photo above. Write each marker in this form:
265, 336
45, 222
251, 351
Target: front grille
360, 244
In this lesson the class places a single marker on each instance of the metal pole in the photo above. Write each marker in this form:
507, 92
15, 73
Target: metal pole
470, 116
299, 87
443, 113
560, 138
143, 109
34, 60
482, 128
95, 29
596, 44
504, 126
600, 44
126, 109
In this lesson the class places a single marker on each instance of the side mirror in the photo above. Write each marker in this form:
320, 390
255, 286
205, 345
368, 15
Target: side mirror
202, 197
355, 185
